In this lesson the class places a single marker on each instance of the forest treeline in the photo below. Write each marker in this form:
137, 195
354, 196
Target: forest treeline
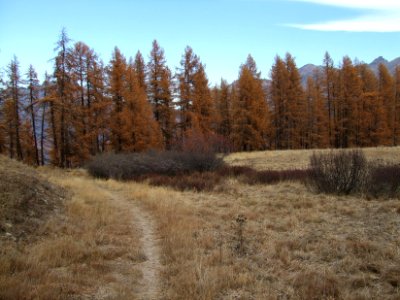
87, 107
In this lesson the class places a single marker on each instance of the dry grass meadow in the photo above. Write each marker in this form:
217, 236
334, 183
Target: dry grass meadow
238, 241
86, 248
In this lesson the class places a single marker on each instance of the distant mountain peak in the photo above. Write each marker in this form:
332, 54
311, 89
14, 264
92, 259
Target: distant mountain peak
309, 69
380, 60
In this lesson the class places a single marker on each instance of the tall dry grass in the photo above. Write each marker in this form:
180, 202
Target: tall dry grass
237, 241
87, 252
296, 245
293, 244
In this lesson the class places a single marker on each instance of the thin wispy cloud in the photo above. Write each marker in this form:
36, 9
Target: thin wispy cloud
380, 16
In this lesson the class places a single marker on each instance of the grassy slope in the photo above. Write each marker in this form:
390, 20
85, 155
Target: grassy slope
84, 247
26, 200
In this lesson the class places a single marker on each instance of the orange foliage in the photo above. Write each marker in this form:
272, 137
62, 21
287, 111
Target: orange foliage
85, 108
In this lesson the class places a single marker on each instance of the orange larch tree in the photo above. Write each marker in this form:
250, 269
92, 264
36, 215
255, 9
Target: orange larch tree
160, 93
296, 106
373, 125
140, 69
223, 108
117, 77
189, 66
196, 108
140, 130
12, 108
349, 105
99, 106
317, 135
278, 96
64, 103
289, 105
250, 129
46, 124
202, 110
387, 95
78, 57
33, 89
88, 80
329, 88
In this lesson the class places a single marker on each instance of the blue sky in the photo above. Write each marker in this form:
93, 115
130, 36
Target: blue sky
221, 32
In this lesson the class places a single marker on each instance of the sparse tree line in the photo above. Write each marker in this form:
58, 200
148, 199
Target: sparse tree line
86, 107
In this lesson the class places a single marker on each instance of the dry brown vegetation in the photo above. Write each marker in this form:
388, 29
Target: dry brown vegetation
26, 200
277, 241
86, 249
237, 241
299, 159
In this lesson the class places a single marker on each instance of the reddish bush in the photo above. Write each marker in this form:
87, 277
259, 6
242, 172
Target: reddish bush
251, 176
384, 181
275, 176
187, 182
235, 171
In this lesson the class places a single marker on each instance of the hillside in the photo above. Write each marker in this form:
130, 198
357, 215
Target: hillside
27, 199
63, 236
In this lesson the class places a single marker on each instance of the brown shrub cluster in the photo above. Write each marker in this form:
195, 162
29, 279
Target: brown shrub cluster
348, 172
341, 172
130, 166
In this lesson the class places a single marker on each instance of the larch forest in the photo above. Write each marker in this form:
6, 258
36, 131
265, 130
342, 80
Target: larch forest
86, 107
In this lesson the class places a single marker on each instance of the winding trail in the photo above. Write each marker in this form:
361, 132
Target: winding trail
149, 286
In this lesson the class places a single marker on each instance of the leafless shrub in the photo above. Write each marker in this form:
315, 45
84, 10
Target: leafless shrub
342, 172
